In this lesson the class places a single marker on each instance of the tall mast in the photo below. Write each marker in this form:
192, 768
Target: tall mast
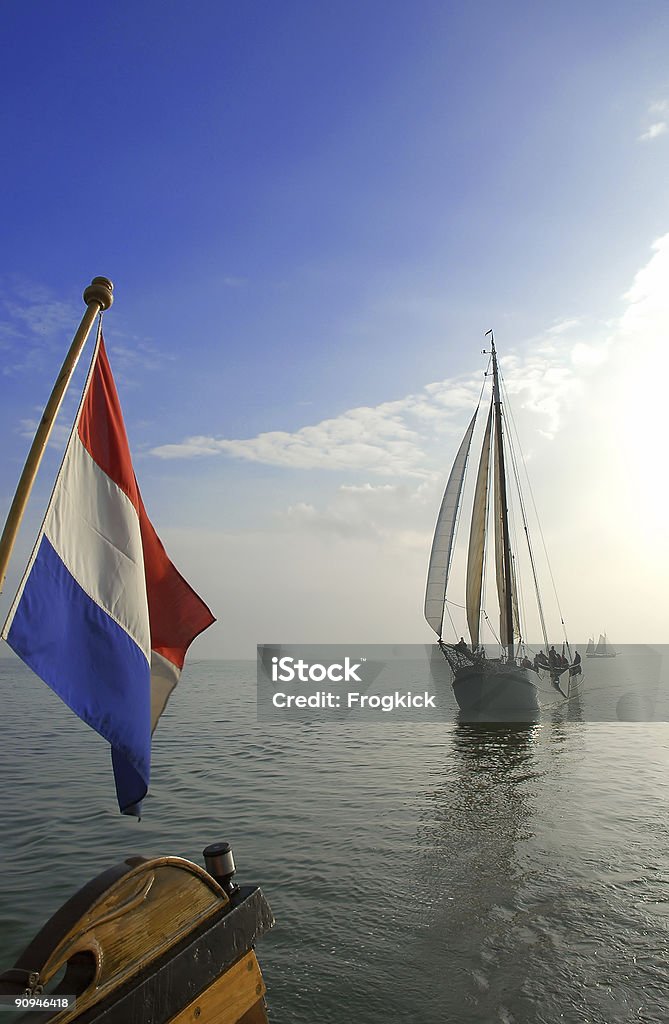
97, 296
506, 554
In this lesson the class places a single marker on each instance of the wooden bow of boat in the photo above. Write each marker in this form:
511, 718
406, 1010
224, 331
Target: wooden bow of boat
149, 941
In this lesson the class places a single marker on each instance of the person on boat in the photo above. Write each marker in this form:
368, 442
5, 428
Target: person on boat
552, 657
575, 668
461, 645
526, 663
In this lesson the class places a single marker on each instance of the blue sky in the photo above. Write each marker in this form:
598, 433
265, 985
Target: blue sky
311, 209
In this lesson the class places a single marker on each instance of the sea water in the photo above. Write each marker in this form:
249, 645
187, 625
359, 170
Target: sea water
425, 872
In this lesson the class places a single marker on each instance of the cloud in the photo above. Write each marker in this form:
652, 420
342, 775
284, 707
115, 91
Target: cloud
637, 396
376, 439
648, 298
653, 131
367, 511
36, 330
395, 437
366, 489
58, 437
306, 518
134, 354
562, 326
29, 310
32, 325
406, 438
658, 112
585, 354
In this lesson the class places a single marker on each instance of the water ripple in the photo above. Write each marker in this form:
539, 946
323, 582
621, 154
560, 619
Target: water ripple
422, 872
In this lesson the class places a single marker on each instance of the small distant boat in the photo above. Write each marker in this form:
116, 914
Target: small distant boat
485, 684
599, 650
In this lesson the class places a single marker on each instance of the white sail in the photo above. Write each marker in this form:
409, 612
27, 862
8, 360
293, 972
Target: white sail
442, 544
601, 647
477, 531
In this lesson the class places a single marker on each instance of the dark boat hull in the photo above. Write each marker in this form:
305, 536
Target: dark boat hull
495, 689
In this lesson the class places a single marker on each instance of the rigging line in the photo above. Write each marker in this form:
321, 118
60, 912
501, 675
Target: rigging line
517, 577
525, 525
490, 627
530, 550
455, 632
485, 376
543, 543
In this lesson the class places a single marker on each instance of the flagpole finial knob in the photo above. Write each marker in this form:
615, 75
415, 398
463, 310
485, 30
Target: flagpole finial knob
100, 290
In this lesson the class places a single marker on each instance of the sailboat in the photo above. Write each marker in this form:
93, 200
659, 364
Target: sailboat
599, 650
493, 685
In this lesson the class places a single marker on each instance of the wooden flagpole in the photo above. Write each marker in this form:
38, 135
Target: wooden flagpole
98, 296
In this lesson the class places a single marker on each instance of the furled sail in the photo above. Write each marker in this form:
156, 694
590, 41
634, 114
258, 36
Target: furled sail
477, 532
442, 545
499, 561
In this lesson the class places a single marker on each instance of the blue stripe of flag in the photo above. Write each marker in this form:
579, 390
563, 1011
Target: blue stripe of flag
91, 663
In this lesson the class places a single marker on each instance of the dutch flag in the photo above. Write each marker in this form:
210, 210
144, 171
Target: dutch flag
102, 615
